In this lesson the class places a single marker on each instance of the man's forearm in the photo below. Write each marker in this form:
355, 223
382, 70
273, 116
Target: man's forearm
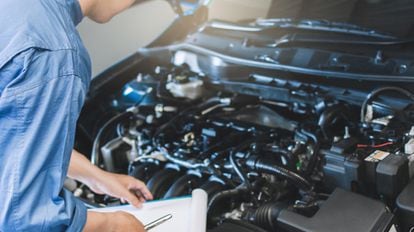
96, 222
125, 187
103, 10
81, 169
117, 221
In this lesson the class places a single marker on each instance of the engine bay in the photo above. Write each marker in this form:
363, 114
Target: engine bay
273, 153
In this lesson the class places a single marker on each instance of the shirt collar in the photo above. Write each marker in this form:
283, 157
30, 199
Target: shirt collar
75, 11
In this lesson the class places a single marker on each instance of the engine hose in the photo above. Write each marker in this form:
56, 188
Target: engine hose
378, 91
290, 157
161, 182
314, 158
266, 215
223, 195
261, 165
183, 186
95, 155
236, 166
329, 115
212, 187
189, 164
238, 170
186, 111
168, 124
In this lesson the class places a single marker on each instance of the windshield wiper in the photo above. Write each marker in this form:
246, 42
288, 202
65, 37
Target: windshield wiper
322, 25
297, 38
261, 25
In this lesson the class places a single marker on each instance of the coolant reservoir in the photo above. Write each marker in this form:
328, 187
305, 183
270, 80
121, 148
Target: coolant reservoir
185, 87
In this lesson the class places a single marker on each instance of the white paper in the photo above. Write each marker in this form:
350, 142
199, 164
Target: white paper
189, 214
198, 207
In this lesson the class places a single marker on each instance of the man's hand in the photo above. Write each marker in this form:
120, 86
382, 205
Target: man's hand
112, 222
127, 188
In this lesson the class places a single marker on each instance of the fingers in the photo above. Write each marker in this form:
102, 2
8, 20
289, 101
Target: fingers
128, 189
136, 185
138, 192
132, 199
139, 195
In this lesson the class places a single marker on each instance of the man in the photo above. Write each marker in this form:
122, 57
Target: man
44, 76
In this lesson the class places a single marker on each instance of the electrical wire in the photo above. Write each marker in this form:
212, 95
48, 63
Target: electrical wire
378, 91
375, 145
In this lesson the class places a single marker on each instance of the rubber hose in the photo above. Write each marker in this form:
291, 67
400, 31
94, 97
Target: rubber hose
223, 195
314, 158
183, 186
379, 90
95, 155
265, 166
212, 187
161, 181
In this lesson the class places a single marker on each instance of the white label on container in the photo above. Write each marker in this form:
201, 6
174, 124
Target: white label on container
377, 156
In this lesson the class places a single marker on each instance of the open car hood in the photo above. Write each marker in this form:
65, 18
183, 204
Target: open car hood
287, 125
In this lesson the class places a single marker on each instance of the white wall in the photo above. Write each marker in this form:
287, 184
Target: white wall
138, 26
234, 10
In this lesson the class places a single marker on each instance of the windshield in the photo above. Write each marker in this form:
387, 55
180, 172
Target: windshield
394, 17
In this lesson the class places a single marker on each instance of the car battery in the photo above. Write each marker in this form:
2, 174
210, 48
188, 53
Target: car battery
405, 206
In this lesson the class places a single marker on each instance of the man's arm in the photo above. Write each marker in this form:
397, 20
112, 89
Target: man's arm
102, 11
127, 188
112, 222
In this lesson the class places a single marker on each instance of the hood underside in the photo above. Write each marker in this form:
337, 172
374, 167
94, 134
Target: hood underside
393, 17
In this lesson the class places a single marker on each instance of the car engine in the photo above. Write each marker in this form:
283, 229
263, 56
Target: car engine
275, 151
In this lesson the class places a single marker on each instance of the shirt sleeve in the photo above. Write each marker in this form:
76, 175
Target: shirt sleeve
76, 210
39, 109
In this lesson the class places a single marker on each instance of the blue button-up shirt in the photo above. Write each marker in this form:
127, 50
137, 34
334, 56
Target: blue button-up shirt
44, 76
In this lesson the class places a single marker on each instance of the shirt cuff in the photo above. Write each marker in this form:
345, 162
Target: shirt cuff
79, 215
